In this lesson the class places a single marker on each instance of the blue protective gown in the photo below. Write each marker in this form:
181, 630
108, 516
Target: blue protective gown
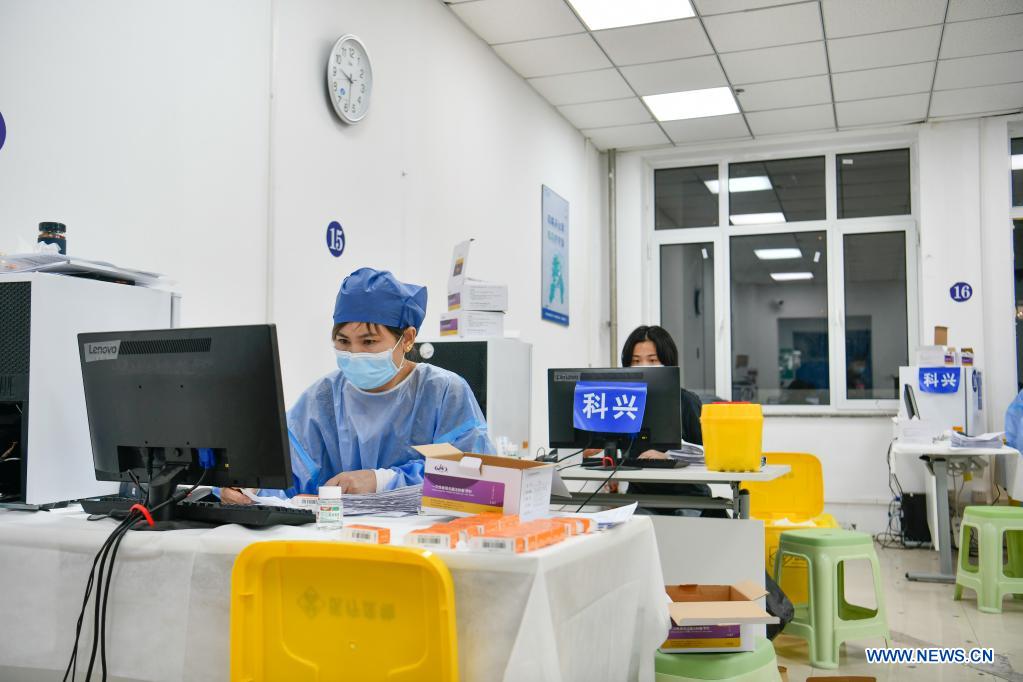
335, 427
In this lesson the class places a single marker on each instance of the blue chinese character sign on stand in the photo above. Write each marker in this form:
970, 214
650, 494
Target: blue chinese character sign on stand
609, 407
940, 379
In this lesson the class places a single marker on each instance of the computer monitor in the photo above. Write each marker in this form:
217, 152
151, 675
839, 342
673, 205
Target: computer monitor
662, 420
154, 399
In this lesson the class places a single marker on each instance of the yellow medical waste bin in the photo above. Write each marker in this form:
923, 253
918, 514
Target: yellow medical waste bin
732, 436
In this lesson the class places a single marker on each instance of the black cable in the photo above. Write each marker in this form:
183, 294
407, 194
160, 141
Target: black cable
606, 480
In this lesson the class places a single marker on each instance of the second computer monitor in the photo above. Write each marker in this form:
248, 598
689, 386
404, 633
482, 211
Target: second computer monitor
662, 421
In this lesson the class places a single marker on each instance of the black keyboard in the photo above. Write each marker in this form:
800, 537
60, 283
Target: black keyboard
243, 514
654, 463
209, 512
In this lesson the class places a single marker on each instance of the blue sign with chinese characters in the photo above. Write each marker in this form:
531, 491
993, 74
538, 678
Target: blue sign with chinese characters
940, 379
609, 407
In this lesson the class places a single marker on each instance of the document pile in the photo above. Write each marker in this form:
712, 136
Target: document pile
689, 452
65, 265
985, 440
402, 501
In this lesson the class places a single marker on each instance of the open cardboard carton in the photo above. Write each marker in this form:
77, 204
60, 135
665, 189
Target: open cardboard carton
714, 618
457, 483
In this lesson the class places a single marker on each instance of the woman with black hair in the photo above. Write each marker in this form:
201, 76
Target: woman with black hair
652, 346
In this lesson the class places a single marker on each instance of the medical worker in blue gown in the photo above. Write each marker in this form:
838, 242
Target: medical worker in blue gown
355, 427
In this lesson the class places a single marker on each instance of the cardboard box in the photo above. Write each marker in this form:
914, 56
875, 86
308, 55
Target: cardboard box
478, 295
462, 484
472, 324
714, 618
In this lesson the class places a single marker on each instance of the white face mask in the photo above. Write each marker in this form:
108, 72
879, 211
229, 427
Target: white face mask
368, 370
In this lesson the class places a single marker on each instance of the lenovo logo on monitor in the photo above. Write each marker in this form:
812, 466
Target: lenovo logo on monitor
106, 350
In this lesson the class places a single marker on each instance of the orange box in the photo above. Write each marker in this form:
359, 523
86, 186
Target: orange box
526, 537
576, 525
374, 535
437, 536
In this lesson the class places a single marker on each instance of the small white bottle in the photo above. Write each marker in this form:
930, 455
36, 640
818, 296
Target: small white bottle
330, 510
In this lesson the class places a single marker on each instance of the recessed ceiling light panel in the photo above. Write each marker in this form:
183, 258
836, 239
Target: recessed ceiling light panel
757, 218
791, 276
756, 183
674, 106
777, 254
601, 14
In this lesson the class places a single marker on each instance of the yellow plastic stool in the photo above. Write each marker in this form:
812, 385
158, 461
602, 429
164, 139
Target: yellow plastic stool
828, 620
991, 579
333, 611
759, 665
794, 501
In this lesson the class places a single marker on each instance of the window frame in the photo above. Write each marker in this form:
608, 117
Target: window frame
834, 228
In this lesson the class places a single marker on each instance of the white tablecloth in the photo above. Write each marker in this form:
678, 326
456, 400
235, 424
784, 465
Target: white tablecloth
590, 608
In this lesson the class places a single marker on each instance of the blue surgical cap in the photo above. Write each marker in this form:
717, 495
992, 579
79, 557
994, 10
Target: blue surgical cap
376, 296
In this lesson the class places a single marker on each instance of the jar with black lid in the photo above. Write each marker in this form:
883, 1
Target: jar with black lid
53, 233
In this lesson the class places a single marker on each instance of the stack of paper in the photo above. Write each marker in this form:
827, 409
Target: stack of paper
985, 440
402, 501
609, 518
689, 452
65, 265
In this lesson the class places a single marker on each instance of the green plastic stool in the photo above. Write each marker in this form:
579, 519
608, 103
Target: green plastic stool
759, 665
827, 619
990, 578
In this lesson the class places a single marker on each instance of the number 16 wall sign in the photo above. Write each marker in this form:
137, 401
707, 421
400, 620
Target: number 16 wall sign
961, 292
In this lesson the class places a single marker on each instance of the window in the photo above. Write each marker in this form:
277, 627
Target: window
688, 270
876, 324
1017, 171
686, 197
873, 184
782, 191
803, 299
779, 286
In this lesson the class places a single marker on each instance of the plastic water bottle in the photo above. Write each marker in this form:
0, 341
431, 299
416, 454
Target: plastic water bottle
330, 510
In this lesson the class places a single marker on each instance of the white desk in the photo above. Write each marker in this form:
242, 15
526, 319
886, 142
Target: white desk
938, 456
690, 474
590, 608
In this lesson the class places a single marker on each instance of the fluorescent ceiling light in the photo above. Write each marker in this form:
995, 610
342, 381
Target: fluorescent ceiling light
753, 184
777, 254
600, 14
757, 218
673, 106
1017, 162
790, 276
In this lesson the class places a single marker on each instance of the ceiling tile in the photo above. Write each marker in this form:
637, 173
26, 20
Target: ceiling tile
873, 83
884, 49
505, 21
707, 129
624, 137
902, 109
587, 86
983, 36
798, 92
961, 10
984, 100
675, 76
988, 69
775, 63
798, 120
709, 7
550, 56
654, 42
765, 28
617, 112
843, 18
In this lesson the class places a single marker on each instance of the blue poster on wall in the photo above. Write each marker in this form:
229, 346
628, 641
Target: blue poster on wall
554, 274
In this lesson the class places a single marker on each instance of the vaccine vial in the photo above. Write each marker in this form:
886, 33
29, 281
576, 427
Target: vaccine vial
330, 510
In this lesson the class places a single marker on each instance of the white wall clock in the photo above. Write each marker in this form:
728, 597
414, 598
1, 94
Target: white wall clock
350, 79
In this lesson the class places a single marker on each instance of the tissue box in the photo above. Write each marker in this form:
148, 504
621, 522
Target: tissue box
457, 483
479, 295
714, 618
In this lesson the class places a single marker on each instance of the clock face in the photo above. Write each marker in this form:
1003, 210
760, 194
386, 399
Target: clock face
350, 79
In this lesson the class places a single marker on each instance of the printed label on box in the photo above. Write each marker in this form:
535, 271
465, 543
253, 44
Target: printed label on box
449, 327
462, 494
703, 636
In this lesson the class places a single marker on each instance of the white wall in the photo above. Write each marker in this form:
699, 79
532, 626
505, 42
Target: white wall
455, 146
143, 126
